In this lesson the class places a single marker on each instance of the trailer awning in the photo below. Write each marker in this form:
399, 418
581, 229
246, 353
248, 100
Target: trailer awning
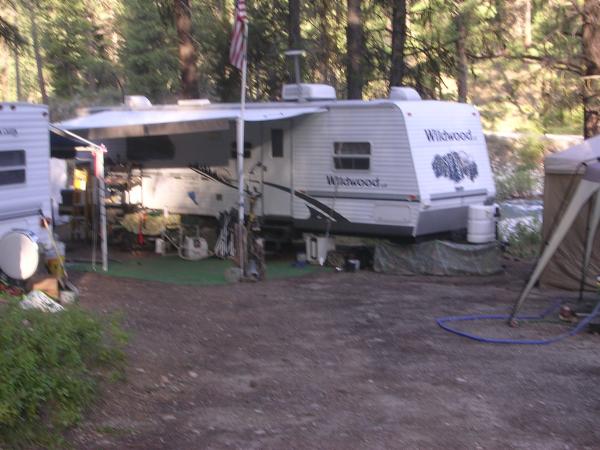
162, 121
64, 145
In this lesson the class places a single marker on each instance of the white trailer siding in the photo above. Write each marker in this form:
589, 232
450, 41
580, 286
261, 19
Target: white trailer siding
391, 166
25, 127
451, 162
184, 191
439, 128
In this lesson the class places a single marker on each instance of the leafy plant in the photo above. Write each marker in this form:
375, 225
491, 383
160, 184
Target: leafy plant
50, 366
525, 239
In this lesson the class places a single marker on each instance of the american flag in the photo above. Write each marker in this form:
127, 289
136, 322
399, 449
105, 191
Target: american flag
237, 52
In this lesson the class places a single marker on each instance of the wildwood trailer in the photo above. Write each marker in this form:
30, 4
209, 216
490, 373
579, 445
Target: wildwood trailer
399, 166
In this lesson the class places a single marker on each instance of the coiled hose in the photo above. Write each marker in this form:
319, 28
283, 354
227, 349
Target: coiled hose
444, 321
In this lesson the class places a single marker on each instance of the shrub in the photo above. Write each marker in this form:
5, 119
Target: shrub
520, 183
50, 365
525, 239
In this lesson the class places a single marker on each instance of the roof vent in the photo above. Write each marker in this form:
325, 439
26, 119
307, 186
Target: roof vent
404, 94
137, 102
193, 102
307, 92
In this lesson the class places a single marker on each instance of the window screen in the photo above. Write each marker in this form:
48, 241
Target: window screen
277, 143
352, 155
12, 167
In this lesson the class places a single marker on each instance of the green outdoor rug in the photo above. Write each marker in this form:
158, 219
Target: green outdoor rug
172, 269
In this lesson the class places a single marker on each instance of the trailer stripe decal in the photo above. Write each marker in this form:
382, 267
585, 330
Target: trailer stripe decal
326, 209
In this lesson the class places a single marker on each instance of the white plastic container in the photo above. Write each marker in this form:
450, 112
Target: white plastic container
159, 246
481, 226
317, 248
195, 248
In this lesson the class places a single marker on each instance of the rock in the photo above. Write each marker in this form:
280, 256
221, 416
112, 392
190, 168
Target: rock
192, 374
168, 417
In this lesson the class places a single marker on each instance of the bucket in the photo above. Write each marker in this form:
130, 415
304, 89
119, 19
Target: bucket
56, 262
482, 224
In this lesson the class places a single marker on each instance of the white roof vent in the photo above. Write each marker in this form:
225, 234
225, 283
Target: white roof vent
137, 102
305, 91
404, 93
193, 102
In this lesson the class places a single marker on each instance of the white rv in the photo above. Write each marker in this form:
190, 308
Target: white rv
400, 166
24, 167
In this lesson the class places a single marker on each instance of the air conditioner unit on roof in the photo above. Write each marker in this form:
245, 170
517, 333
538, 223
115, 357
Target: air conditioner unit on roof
305, 91
404, 93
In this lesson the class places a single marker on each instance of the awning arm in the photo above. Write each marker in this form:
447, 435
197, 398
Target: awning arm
75, 136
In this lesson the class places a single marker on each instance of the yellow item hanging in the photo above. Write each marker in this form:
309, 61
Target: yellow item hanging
80, 178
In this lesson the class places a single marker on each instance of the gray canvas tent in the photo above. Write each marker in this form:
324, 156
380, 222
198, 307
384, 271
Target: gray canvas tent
563, 172
583, 205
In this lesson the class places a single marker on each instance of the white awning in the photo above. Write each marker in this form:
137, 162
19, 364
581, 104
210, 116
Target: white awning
161, 121
572, 159
267, 114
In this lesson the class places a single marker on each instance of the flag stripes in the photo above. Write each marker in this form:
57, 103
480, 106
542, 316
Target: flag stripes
237, 52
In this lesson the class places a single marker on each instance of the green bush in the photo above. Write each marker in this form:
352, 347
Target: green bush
520, 183
530, 152
50, 366
525, 239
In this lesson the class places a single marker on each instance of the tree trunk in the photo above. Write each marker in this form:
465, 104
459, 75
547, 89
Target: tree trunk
527, 24
591, 52
294, 38
17, 74
462, 64
398, 42
354, 43
188, 57
36, 52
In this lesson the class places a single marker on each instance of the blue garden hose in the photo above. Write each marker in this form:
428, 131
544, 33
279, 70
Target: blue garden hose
443, 321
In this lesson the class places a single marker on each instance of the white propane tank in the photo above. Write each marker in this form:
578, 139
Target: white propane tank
19, 254
481, 227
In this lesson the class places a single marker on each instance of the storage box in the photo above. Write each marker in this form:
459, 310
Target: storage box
317, 248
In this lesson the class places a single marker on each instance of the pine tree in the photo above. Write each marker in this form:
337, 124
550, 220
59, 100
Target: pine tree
149, 51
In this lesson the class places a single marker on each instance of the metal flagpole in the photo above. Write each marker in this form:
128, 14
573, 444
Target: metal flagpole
101, 197
240, 153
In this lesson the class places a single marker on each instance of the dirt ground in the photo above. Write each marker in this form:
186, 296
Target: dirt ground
338, 361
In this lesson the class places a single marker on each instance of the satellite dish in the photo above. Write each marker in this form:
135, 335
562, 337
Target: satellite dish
19, 254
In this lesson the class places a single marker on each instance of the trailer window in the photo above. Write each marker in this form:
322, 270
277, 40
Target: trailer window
147, 148
352, 155
12, 167
247, 150
277, 143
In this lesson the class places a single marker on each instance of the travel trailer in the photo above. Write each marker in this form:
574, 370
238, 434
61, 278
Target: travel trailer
399, 166
24, 167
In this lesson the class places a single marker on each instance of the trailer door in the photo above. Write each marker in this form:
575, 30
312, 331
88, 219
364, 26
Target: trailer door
277, 170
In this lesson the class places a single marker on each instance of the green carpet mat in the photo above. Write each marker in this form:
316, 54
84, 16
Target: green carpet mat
172, 269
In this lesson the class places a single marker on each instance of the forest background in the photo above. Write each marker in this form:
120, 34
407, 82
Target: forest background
530, 66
